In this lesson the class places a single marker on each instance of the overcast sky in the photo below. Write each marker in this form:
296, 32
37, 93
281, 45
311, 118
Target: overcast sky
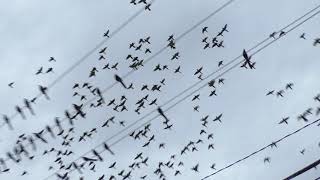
33, 31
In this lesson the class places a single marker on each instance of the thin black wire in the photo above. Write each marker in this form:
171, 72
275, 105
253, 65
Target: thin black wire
261, 149
90, 52
236, 162
150, 58
177, 39
185, 97
187, 88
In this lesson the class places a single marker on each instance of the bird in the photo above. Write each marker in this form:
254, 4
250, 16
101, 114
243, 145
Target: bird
95, 153
266, 160
28, 106
302, 36
11, 84
270, 93
280, 93
113, 165
289, 86
204, 29
52, 59
303, 117
19, 110
106, 147
218, 118
196, 108
177, 70
147, 7
39, 71
50, 69
247, 60
317, 98
316, 42
7, 121
213, 166
106, 34
284, 120
39, 136
119, 79
44, 90
133, 2
160, 111
198, 71
282, 33
103, 50
195, 168
204, 40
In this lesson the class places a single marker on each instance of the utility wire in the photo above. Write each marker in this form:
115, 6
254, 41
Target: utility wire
261, 149
185, 97
195, 83
305, 169
86, 55
149, 59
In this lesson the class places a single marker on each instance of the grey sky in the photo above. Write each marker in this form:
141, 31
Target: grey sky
33, 31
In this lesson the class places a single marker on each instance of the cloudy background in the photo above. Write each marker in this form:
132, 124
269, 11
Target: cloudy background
32, 31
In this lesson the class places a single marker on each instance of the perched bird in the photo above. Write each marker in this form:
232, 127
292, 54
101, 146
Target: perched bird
7, 121
19, 110
119, 79
28, 106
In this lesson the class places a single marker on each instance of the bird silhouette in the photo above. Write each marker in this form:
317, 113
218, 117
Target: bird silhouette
119, 79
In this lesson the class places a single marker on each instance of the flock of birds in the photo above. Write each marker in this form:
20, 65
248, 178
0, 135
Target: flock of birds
26, 145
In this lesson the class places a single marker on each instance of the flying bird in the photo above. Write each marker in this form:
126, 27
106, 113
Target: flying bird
302, 36
44, 90
316, 42
106, 34
11, 84
52, 59
204, 29
270, 93
284, 120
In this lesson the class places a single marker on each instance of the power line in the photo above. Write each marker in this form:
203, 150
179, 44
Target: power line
165, 47
261, 149
198, 81
157, 53
85, 56
145, 62
185, 97
305, 169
